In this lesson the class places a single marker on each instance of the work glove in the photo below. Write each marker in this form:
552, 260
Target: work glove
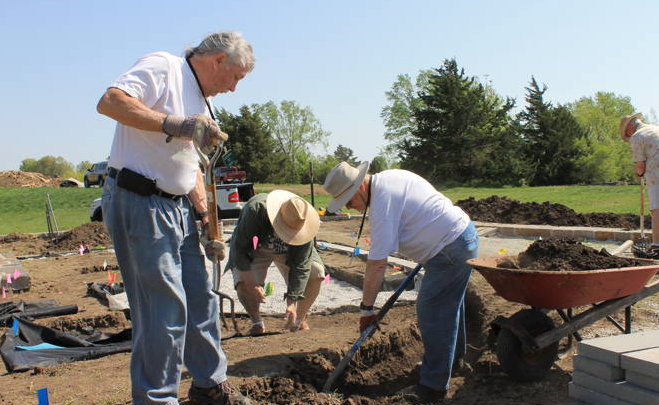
367, 318
214, 249
202, 130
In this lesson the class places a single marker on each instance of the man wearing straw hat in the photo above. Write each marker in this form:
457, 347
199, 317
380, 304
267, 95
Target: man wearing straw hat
409, 216
278, 228
644, 141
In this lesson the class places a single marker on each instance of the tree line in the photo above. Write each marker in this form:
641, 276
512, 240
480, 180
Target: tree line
447, 126
453, 129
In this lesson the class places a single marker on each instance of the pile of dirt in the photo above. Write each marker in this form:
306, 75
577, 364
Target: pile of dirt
566, 255
92, 234
507, 211
15, 178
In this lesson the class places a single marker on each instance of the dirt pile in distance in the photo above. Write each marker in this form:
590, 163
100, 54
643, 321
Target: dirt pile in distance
566, 255
15, 178
92, 234
507, 211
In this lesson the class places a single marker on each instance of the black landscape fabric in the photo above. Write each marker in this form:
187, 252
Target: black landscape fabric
72, 349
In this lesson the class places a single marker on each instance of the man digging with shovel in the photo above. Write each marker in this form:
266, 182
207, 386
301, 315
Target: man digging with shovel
409, 216
644, 141
153, 189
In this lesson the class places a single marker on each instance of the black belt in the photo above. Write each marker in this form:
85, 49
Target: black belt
135, 182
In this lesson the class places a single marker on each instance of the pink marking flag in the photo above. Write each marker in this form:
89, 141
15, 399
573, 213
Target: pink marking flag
4, 293
17, 274
114, 276
109, 277
367, 240
8, 278
255, 242
326, 280
81, 249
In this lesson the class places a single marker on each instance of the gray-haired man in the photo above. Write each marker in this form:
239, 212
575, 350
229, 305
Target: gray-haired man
154, 184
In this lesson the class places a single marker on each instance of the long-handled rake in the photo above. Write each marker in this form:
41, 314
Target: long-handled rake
642, 245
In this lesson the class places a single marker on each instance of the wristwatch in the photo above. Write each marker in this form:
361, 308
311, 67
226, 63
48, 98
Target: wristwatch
365, 307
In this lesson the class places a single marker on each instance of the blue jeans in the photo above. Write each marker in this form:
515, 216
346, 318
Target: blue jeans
175, 315
440, 308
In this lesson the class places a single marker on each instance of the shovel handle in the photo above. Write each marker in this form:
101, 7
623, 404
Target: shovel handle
642, 206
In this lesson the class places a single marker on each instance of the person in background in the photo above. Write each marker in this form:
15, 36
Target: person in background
284, 226
408, 215
153, 192
644, 141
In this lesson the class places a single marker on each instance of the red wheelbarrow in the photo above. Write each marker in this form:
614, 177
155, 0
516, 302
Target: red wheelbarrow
527, 343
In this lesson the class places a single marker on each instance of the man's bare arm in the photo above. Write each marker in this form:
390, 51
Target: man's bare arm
128, 110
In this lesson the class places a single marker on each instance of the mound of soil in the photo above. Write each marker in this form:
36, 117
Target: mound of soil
507, 211
566, 255
15, 178
92, 234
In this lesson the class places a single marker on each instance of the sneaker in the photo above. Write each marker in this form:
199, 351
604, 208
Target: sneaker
221, 394
429, 395
257, 329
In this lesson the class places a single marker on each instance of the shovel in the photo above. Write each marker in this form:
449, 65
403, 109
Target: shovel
215, 225
368, 332
641, 247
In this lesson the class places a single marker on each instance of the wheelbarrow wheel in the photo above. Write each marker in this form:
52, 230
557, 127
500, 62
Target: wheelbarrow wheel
518, 363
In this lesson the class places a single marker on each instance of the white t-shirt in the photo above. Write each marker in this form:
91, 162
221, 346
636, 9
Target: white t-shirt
409, 216
165, 83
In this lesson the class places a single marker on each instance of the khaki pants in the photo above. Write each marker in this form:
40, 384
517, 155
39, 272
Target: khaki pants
263, 258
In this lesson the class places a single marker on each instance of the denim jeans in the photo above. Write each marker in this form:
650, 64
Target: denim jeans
441, 309
175, 315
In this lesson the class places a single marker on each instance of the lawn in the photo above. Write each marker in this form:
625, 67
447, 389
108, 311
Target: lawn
24, 209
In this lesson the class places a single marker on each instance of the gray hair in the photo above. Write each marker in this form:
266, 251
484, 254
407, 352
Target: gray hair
231, 43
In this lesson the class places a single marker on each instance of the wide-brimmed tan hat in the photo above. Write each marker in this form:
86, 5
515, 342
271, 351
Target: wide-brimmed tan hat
623, 125
342, 183
294, 220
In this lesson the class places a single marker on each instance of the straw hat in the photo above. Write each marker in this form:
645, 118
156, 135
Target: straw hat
623, 125
294, 220
342, 183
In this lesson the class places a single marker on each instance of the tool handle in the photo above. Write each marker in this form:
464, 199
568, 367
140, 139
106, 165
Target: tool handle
394, 297
642, 206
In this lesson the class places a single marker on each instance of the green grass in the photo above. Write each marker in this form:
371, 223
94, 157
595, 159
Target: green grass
24, 209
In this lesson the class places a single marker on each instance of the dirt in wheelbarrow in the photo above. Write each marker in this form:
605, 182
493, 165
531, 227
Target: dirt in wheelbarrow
566, 255
508, 211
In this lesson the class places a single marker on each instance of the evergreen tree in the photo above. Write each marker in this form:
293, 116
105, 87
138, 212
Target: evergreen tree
552, 138
345, 154
463, 134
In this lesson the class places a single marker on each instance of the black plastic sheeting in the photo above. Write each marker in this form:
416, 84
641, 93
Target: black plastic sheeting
74, 348
33, 310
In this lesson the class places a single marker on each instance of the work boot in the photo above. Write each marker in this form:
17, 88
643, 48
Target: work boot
221, 394
429, 395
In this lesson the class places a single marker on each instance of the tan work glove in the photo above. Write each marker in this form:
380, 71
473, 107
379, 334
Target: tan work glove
202, 130
214, 249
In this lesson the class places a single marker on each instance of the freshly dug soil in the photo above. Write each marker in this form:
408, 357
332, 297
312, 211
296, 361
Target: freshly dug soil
566, 255
507, 211
15, 178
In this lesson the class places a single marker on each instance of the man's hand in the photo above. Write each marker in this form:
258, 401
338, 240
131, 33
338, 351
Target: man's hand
214, 249
291, 314
202, 130
367, 318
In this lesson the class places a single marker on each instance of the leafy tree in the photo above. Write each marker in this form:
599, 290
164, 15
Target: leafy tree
552, 138
295, 130
378, 164
83, 166
398, 116
252, 146
321, 167
463, 132
606, 158
345, 154
48, 166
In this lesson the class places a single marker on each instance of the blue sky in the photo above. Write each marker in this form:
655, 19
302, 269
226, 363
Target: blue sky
338, 57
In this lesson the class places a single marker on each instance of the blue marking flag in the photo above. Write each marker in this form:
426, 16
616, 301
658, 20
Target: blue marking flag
42, 395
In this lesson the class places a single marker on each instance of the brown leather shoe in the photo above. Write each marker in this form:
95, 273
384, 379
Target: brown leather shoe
429, 395
221, 394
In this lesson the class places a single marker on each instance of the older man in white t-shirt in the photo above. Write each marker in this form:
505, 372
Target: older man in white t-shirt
153, 189
409, 216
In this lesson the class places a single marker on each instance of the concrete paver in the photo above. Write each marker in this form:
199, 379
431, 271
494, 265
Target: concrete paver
608, 349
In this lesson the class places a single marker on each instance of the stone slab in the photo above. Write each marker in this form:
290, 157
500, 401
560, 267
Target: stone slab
642, 380
619, 389
593, 397
642, 362
608, 349
599, 369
